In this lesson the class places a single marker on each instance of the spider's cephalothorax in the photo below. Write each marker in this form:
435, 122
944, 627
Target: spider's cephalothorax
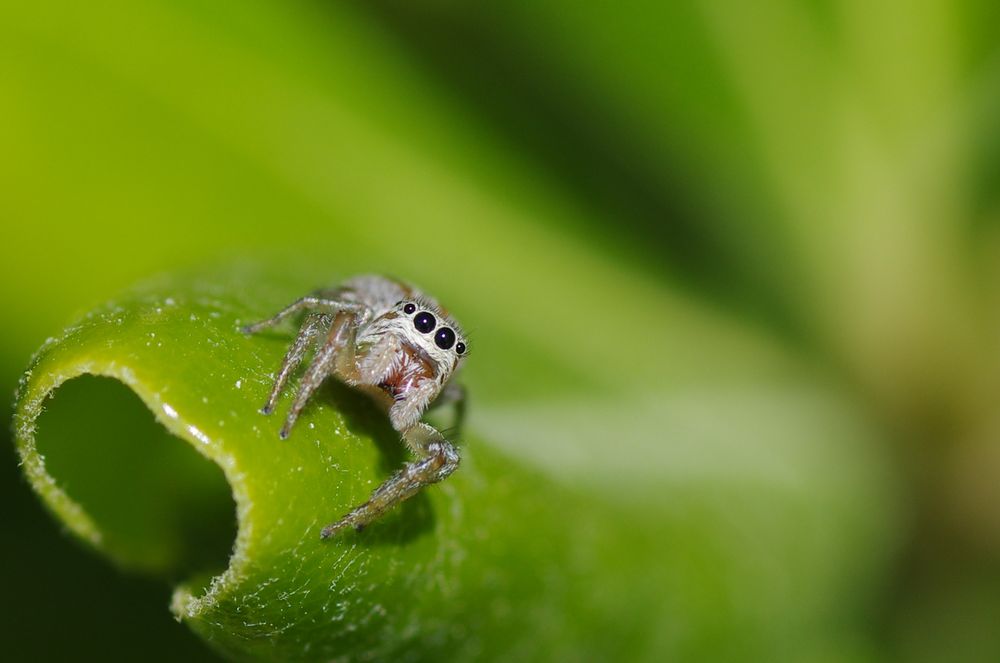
395, 343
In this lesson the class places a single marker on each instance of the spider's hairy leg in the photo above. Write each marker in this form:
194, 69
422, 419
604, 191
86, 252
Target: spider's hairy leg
436, 459
406, 412
311, 327
310, 302
341, 333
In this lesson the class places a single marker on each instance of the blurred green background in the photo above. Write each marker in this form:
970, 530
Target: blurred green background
749, 250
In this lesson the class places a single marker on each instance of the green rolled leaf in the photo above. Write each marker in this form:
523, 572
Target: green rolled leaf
516, 555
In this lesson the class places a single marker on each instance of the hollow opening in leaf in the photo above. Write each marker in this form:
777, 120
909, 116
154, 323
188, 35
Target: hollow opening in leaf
159, 505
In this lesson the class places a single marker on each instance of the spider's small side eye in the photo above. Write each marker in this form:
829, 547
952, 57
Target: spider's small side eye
409, 308
444, 338
460, 348
424, 322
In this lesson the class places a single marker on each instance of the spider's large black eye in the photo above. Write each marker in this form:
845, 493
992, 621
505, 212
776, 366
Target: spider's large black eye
409, 308
460, 348
444, 338
424, 322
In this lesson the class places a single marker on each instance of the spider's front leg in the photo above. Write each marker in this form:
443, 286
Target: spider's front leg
437, 458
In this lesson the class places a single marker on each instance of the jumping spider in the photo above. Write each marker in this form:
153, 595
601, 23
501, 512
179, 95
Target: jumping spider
389, 340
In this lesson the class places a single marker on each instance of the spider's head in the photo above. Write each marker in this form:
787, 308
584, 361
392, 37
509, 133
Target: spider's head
426, 344
423, 326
